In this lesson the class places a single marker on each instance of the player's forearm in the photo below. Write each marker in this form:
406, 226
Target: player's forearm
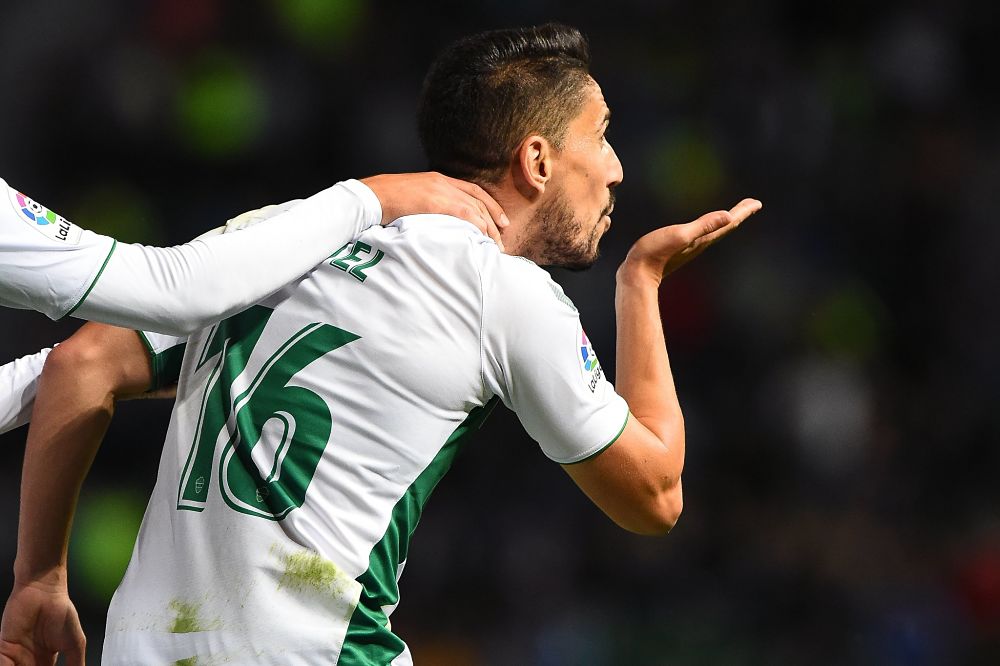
72, 411
182, 289
643, 375
18, 386
76, 393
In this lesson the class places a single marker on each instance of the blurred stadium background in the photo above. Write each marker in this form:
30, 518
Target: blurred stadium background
836, 358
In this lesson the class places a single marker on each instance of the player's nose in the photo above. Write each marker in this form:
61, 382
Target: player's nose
615, 171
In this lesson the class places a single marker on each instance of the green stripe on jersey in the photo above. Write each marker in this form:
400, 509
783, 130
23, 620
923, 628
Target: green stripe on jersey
369, 642
93, 282
166, 364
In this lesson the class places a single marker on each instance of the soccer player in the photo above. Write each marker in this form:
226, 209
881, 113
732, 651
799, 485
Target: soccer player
51, 265
310, 430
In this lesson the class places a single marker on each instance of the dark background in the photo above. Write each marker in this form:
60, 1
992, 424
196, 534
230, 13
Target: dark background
835, 358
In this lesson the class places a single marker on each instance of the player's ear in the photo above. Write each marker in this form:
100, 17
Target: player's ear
533, 162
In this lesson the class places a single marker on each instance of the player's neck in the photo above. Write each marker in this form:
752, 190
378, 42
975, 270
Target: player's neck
520, 210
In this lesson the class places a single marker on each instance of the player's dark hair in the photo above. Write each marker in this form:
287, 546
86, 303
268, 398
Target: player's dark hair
485, 93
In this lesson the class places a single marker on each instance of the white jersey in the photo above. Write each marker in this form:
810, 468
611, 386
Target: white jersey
310, 430
18, 386
46, 263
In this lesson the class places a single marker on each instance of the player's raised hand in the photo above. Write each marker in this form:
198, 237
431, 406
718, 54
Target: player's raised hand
661, 252
432, 192
39, 623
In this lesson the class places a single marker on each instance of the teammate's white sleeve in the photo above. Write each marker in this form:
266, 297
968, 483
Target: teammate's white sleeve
18, 386
538, 359
46, 262
181, 289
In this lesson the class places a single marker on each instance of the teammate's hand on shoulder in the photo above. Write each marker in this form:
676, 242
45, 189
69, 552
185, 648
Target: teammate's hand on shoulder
661, 252
40, 622
412, 193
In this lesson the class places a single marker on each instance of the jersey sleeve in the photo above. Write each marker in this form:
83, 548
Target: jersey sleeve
181, 289
47, 263
18, 386
537, 358
166, 352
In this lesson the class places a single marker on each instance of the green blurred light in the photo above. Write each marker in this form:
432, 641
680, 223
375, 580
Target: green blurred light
221, 107
104, 532
685, 171
850, 89
119, 211
324, 25
848, 322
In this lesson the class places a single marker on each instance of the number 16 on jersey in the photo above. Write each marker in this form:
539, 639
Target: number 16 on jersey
276, 432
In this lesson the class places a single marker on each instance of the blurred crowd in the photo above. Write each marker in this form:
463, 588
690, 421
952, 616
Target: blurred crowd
835, 358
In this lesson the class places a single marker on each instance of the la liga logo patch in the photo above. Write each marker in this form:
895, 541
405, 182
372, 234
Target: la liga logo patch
589, 364
43, 220
587, 356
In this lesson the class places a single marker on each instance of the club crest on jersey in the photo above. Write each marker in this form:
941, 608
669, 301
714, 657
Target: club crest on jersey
43, 220
589, 364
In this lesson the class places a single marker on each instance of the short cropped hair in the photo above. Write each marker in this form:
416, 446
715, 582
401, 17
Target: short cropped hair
486, 93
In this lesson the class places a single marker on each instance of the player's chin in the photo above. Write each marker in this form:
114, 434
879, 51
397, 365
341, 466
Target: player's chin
585, 259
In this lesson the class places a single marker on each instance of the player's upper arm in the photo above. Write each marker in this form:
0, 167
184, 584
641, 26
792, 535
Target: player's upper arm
625, 481
538, 359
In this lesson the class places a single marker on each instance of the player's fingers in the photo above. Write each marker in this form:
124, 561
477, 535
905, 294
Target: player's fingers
43, 658
10, 658
494, 232
471, 210
13, 654
706, 225
745, 209
481, 217
74, 657
737, 214
492, 207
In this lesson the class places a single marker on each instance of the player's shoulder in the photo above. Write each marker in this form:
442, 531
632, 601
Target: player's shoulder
522, 288
457, 245
442, 238
444, 227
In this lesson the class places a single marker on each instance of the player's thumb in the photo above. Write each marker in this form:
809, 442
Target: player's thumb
14, 654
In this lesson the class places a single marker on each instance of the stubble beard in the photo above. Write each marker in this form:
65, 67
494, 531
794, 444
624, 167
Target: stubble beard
559, 238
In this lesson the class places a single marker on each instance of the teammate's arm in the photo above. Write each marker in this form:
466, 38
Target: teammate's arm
637, 480
181, 289
75, 401
19, 384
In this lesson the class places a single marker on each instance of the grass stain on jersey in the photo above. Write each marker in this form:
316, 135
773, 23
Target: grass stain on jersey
187, 619
311, 571
185, 622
